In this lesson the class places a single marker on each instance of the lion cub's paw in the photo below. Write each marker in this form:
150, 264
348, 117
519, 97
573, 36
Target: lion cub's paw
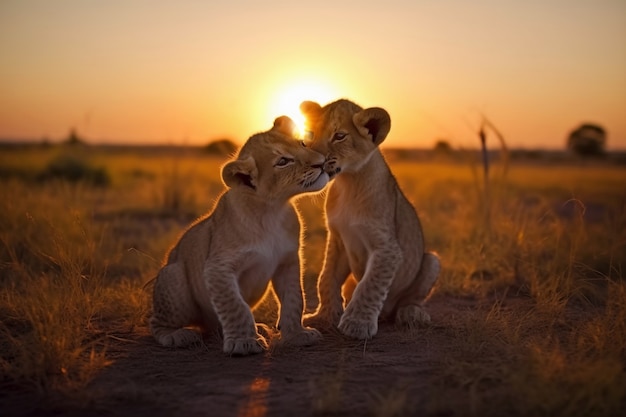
412, 316
305, 337
180, 338
245, 345
358, 328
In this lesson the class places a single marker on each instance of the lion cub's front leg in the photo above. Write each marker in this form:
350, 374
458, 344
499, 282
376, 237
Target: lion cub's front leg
288, 288
238, 326
360, 319
334, 273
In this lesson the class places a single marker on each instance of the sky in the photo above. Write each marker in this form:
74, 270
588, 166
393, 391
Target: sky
189, 72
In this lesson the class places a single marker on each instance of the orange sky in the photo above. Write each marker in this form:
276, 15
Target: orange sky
187, 72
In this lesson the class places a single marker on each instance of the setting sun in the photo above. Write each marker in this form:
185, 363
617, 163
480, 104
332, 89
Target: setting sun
287, 100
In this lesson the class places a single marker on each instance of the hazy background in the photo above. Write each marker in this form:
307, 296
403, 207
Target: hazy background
186, 72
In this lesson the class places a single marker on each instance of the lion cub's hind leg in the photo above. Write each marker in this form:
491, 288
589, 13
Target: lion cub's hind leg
173, 309
410, 313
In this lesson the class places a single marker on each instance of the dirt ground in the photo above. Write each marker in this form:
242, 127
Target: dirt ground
395, 373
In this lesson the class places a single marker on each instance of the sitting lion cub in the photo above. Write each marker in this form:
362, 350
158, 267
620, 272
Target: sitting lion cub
223, 263
373, 231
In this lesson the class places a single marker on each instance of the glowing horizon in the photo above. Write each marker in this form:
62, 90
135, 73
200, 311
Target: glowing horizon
192, 72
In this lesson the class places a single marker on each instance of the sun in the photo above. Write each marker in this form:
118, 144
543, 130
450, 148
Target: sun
288, 98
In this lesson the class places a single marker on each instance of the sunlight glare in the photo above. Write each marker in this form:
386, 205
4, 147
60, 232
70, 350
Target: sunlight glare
287, 101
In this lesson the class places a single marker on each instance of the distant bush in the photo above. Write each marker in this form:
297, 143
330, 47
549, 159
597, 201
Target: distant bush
74, 169
221, 147
442, 146
587, 140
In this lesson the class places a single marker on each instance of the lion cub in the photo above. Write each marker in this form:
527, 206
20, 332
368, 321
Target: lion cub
373, 230
222, 265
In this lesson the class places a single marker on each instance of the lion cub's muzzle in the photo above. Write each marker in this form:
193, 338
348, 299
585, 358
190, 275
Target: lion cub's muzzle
316, 178
331, 168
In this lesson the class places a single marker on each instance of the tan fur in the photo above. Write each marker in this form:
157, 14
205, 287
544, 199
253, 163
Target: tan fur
374, 232
222, 265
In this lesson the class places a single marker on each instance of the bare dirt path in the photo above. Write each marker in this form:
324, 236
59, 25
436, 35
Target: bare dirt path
396, 373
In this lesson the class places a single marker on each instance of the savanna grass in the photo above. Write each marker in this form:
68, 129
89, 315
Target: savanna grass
54, 291
555, 235
74, 259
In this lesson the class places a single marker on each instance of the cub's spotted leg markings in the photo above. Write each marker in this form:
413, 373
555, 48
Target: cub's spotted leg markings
169, 317
238, 325
360, 319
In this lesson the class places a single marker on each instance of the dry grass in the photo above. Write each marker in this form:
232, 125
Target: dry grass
556, 235
55, 291
74, 258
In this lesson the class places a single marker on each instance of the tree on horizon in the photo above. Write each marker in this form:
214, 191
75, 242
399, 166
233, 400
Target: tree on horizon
589, 139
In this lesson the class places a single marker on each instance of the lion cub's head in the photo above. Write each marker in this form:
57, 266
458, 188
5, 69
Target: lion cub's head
276, 166
346, 133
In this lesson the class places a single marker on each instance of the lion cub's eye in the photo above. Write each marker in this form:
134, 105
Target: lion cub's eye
283, 162
339, 136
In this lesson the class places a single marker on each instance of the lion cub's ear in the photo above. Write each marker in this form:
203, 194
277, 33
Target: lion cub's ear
310, 109
311, 112
285, 125
240, 172
373, 122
